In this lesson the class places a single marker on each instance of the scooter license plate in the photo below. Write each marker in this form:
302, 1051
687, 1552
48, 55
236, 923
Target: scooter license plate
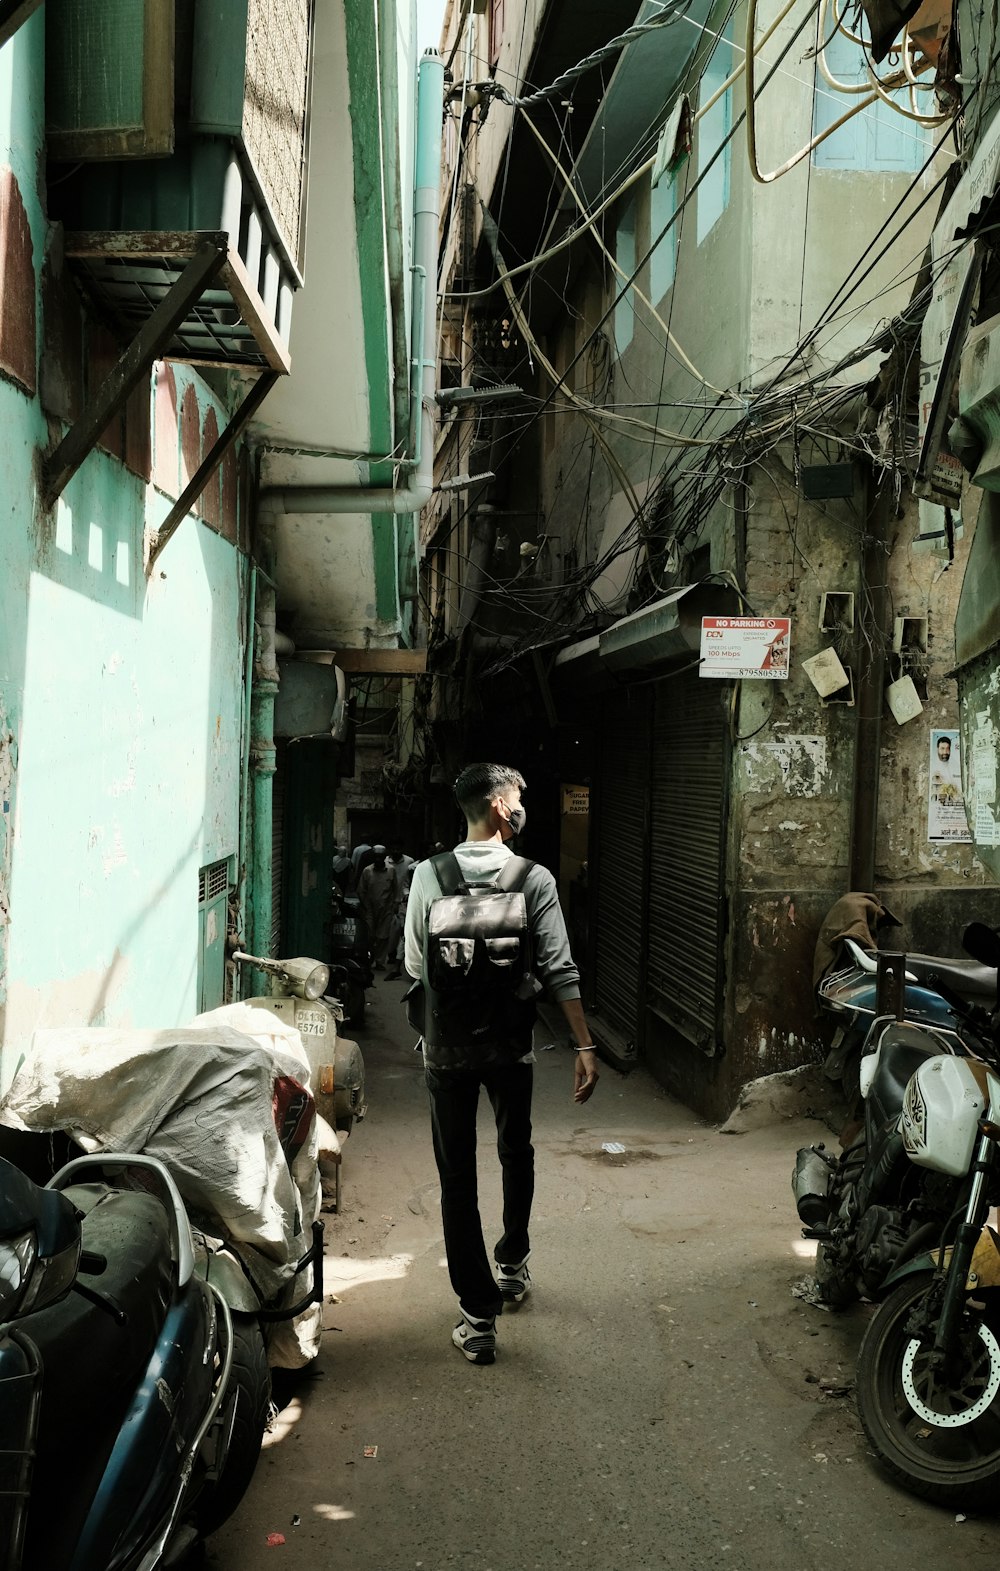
342, 929
311, 1022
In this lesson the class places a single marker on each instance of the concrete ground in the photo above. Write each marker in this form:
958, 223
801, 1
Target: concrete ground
661, 1400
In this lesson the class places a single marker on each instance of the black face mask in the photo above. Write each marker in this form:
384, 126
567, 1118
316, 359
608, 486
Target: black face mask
516, 819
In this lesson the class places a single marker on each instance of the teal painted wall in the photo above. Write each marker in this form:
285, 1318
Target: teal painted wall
121, 700
21, 427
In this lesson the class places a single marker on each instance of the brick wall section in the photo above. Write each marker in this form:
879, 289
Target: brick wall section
61, 380
190, 435
230, 496
17, 287
209, 504
165, 421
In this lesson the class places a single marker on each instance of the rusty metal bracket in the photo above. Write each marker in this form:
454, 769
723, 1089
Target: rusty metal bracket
890, 994
148, 345
209, 465
12, 14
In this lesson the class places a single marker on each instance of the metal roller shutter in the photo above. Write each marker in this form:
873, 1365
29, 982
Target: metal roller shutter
686, 932
622, 811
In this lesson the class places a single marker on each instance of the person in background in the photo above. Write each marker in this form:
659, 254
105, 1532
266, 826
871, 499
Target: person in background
360, 858
378, 893
342, 870
403, 866
490, 797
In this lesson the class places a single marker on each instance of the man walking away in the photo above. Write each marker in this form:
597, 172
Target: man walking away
489, 795
402, 866
377, 894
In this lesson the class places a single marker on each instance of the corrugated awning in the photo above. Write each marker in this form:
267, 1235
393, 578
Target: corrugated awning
660, 634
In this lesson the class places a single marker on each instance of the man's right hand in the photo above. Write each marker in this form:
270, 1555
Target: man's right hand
585, 1074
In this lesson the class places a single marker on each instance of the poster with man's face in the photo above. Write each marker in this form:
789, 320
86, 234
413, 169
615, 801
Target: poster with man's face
946, 820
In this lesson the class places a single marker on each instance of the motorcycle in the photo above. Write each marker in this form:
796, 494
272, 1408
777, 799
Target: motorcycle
938, 991
133, 1403
903, 1219
351, 969
868, 1210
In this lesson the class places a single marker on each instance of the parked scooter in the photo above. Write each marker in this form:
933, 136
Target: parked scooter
902, 1217
230, 1116
300, 998
351, 969
132, 1402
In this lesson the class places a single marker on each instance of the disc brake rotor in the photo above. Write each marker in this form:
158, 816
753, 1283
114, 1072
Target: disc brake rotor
981, 1373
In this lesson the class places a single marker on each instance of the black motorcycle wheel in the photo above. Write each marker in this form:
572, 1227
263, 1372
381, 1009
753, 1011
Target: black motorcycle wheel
949, 1453
252, 1379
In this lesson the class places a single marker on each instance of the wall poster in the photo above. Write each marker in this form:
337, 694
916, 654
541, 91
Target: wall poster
946, 820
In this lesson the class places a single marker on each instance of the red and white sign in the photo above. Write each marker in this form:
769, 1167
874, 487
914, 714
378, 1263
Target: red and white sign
738, 647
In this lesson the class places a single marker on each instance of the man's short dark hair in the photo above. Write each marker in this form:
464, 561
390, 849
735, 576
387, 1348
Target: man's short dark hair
478, 785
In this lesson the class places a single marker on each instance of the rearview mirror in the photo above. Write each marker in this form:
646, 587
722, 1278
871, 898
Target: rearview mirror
982, 943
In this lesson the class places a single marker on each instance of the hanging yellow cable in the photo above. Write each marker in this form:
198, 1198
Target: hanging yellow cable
873, 94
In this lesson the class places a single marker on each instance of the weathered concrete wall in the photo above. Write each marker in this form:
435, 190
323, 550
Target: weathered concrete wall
120, 699
792, 783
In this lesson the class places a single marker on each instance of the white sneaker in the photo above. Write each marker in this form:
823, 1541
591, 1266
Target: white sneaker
476, 1339
514, 1282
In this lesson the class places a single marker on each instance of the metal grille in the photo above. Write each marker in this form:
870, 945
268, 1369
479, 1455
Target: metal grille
213, 881
687, 857
213, 332
622, 811
274, 106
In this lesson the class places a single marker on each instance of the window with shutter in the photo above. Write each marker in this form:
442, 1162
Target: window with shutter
875, 139
663, 261
496, 30
713, 128
625, 257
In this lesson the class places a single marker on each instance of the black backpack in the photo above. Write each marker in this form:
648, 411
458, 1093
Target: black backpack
478, 985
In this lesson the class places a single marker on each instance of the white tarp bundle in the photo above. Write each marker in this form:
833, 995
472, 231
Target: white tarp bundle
201, 1098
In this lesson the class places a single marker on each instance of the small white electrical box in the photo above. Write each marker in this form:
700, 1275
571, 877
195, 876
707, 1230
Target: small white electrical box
904, 701
825, 672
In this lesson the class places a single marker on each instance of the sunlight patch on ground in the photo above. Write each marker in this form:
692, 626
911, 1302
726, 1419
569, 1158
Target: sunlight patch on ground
343, 1274
333, 1513
284, 1423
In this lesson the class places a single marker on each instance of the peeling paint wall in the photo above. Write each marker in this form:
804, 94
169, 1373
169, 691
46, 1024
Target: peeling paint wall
120, 697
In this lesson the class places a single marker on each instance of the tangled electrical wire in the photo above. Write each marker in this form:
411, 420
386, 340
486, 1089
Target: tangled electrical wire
733, 431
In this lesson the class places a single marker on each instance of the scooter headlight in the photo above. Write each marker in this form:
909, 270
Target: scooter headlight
317, 982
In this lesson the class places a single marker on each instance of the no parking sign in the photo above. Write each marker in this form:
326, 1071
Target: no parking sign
739, 647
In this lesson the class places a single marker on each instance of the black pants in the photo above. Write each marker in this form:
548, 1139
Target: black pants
454, 1098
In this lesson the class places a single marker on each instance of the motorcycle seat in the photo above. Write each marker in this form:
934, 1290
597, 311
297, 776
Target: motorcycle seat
966, 977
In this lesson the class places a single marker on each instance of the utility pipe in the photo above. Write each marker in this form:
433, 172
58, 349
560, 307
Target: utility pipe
416, 493
386, 15
243, 871
262, 763
871, 638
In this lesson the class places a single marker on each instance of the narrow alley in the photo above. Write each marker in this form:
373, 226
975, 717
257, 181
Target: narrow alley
661, 1400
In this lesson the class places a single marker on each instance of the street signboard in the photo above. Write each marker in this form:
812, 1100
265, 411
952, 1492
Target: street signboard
740, 647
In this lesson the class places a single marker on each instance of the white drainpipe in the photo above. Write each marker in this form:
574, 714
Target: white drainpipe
416, 493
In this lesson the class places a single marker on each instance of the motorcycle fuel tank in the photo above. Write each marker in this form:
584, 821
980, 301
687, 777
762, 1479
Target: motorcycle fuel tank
943, 1104
857, 991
